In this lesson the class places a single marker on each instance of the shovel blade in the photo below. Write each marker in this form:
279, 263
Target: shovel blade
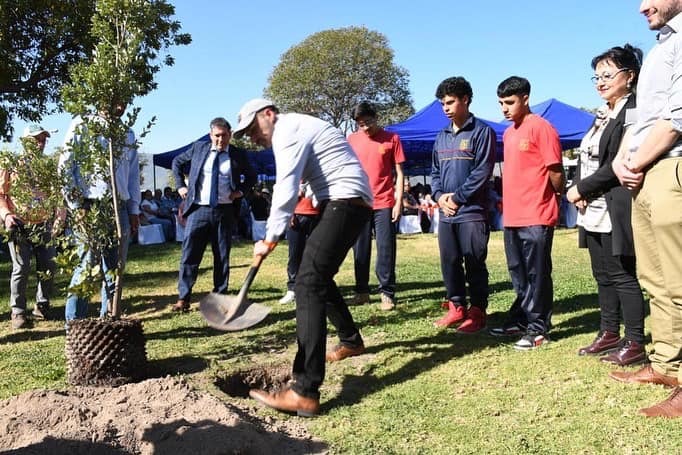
227, 313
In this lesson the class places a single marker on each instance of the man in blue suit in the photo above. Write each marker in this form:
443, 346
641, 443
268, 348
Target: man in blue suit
219, 176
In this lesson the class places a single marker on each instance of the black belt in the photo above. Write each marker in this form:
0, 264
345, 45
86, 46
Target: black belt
671, 154
356, 201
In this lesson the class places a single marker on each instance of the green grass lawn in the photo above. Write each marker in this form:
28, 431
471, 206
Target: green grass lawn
417, 389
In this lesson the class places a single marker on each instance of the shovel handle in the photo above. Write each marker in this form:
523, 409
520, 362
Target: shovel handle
255, 265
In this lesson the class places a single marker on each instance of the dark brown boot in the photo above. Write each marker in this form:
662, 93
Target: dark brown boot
180, 306
630, 353
605, 342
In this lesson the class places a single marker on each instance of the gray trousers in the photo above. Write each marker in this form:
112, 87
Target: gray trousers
20, 250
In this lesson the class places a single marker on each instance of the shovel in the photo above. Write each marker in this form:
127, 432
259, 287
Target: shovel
229, 313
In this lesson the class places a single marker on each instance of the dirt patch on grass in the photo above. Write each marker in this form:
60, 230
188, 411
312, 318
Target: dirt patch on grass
270, 378
156, 416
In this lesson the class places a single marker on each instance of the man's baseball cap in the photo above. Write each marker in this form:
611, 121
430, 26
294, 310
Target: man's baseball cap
34, 130
247, 113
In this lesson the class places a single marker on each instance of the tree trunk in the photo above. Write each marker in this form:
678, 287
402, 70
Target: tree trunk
115, 301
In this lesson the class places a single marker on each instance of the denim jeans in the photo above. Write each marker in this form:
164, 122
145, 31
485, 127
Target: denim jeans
77, 306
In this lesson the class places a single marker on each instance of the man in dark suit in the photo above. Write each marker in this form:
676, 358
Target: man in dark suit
219, 175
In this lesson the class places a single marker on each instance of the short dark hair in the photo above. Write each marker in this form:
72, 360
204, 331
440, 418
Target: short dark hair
364, 109
454, 86
220, 122
514, 85
624, 57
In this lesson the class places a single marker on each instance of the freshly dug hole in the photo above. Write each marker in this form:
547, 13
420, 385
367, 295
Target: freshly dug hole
267, 377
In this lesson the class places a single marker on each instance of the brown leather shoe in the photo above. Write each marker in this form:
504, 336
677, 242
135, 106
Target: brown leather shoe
671, 407
288, 401
341, 351
181, 305
604, 342
645, 375
630, 353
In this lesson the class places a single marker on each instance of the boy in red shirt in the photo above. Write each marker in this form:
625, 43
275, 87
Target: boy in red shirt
381, 155
532, 184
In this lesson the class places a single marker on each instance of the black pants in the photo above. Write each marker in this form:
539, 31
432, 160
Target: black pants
297, 235
318, 297
617, 287
385, 234
529, 260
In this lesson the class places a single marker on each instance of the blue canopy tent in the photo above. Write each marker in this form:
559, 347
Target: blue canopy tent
418, 132
571, 123
262, 161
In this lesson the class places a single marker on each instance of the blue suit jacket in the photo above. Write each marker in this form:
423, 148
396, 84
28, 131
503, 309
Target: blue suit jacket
243, 174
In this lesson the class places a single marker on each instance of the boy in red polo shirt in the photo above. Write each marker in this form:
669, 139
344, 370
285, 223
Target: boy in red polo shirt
532, 184
381, 155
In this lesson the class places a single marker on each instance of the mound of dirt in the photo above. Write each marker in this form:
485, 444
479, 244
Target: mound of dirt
156, 416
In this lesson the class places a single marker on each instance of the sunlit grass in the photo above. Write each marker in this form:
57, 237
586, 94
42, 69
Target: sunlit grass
417, 389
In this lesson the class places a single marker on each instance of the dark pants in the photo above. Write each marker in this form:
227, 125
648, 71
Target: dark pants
318, 297
529, 260
384, 232
617, 287
463, 251
204, 225
297, 235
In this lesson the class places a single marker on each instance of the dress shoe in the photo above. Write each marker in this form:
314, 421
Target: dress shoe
455, 314
629, 354
604, 342
287, 400
671, 407
361, 298
181, 305
645, 375
342, 351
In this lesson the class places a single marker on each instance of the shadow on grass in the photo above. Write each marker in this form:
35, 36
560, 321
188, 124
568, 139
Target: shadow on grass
433, 351
355, 387
30, 335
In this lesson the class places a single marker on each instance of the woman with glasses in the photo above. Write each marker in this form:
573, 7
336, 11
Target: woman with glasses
604, 212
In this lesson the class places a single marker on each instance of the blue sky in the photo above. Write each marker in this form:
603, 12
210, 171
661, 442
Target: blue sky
237, 44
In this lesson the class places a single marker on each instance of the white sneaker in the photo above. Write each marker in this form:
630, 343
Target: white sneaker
289, 297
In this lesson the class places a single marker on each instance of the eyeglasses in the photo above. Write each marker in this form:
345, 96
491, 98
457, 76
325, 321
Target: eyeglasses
606, 77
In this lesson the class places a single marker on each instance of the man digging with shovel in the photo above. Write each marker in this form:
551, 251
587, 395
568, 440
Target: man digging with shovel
309, 149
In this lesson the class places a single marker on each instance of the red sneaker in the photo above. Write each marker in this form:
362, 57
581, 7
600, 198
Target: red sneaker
455, 314
474, 322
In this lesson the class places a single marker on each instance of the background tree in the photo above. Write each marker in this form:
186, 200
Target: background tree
39, 40
129, 37
331, 71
